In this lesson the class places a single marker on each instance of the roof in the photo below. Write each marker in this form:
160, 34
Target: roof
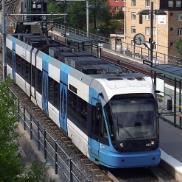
169, 70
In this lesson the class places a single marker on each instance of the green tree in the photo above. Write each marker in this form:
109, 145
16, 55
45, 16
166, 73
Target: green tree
11, 166
53, 7
178, 45
76, 14
99, 12
10, 163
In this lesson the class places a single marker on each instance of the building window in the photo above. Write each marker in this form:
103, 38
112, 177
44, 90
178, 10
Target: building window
170, 4
133, 29
133, 2
133, 16
178, 3
171, 44
117, 9
179, 17
147, 3
147, 30
179, 32
147, 17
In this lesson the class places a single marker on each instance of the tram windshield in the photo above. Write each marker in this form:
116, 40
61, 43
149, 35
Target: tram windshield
132, 117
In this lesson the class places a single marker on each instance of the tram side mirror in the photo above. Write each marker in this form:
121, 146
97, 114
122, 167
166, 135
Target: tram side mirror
157, 91
98, 111
169, 105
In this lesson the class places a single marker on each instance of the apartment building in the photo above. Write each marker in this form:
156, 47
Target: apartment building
116, 6
167, 25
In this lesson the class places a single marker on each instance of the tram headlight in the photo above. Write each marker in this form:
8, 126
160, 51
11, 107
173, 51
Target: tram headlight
151, 143
121, 145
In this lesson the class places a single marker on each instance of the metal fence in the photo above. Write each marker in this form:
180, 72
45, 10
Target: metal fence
129, 50
53, 153
66, 29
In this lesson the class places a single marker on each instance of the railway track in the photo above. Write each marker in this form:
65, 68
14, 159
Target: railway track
95, 173
136, 67
92, 171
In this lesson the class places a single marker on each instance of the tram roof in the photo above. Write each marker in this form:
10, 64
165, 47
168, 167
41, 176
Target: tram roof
169, 70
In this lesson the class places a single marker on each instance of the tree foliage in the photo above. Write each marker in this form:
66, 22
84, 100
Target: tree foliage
178, 45
99, 15
76, 15
10, 163
11, 166
55, 8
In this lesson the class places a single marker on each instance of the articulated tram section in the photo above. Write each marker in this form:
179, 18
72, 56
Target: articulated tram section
87, 112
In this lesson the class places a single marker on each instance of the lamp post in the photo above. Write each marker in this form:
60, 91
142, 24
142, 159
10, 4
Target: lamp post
151, 32
87, 17
150, 12
4, 39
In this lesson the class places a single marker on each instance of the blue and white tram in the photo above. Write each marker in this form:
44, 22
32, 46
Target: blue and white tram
109, 114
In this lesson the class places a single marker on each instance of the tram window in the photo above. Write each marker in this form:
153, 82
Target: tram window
96, 123
54, 93
98, 127
77, 111
22, 73
27, 72
9, 57
38, 80
33, 76
19, 66
82, 108
72, 101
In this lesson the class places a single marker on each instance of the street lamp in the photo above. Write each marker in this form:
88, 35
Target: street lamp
150, 12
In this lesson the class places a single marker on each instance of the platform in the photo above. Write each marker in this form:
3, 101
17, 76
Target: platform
171, 147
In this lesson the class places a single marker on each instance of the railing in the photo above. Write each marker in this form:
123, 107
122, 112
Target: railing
53, 153
67, 29
129, 50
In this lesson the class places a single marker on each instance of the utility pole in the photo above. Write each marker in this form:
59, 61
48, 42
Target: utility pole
87, 16
4, 39
151, 32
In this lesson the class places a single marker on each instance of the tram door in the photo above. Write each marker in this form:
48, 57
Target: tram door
14, 64
64, 72
14, 59
45, 91
94, 142
45, 62
63, 106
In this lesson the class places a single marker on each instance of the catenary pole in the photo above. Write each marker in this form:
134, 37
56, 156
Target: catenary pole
4, 39
151, 32
87, 17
